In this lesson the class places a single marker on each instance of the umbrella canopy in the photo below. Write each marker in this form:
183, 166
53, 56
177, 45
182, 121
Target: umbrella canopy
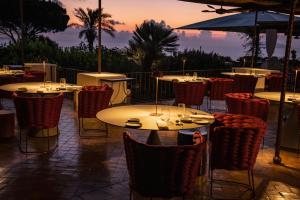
287, 6
245, 22
275, 5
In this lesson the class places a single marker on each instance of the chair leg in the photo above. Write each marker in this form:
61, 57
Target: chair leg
57, 137
26, 151
106, 129
298, 151
48, 140
79, 127
211, 184
253, 186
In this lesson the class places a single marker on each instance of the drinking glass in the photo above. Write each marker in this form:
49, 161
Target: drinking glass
48, 85
165, 113
187, 77
62, 82
181, 110
195, 75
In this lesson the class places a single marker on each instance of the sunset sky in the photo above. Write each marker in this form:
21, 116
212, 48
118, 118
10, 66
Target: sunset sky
131, 12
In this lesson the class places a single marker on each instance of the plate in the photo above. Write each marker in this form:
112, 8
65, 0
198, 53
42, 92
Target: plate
133, 124
201, 121
186, 120
133, 120
22, 90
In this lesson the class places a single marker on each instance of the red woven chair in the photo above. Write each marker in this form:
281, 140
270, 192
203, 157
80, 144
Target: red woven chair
34, 76
91, 100
298, 113
219, 87
242, 103
36, 112
244, 83
273, 82
189, 93
235, 142
167, 171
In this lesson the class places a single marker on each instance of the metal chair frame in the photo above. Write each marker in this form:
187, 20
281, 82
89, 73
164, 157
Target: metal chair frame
48, 142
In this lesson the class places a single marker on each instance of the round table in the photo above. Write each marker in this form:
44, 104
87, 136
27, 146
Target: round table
39, 87
118, 116
11, 72
241, 73
181, 78
290, 128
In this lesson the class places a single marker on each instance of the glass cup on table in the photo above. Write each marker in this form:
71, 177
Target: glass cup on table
195, 75
181, 110
165, 110
48, 85
62, 82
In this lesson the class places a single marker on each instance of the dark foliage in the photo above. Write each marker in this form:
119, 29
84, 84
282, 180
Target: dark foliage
39, 17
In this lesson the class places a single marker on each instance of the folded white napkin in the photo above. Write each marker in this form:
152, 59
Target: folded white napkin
162, 124
199, 116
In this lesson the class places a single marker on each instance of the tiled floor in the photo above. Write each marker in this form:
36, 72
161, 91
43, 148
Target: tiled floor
95, 168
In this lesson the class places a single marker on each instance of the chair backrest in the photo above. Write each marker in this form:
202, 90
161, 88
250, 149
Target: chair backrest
92, 99
37, 111
235, 141
34, 76
189, 93
242, 103
162, 171
244, 83
273, 82
219, 87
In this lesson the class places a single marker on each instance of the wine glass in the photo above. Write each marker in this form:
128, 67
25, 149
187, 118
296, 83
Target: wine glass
181, 110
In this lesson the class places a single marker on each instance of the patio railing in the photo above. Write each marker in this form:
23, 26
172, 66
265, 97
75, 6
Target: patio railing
143, 85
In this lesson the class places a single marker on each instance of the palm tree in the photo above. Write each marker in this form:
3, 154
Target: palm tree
150, 41
89, 20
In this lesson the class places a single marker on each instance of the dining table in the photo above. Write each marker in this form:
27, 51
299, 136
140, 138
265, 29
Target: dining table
290, 128
177, 119
182, 78
11, 72
40, 87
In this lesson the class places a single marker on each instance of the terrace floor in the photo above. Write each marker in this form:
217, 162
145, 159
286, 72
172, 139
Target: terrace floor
95, 168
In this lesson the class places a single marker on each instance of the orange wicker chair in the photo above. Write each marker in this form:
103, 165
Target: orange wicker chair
162, 171
91, 100
189, 93
37, 113
235, 142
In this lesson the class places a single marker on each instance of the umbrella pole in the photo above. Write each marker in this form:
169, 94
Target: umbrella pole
277, 158
99, 38
21, 4
254, 39
256, 45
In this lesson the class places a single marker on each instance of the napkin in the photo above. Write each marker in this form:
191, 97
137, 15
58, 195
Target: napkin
74, 87
199, 116
162, 125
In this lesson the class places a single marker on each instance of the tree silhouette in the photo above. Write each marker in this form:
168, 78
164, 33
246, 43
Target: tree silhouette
151, 40
89, 24
39, 17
